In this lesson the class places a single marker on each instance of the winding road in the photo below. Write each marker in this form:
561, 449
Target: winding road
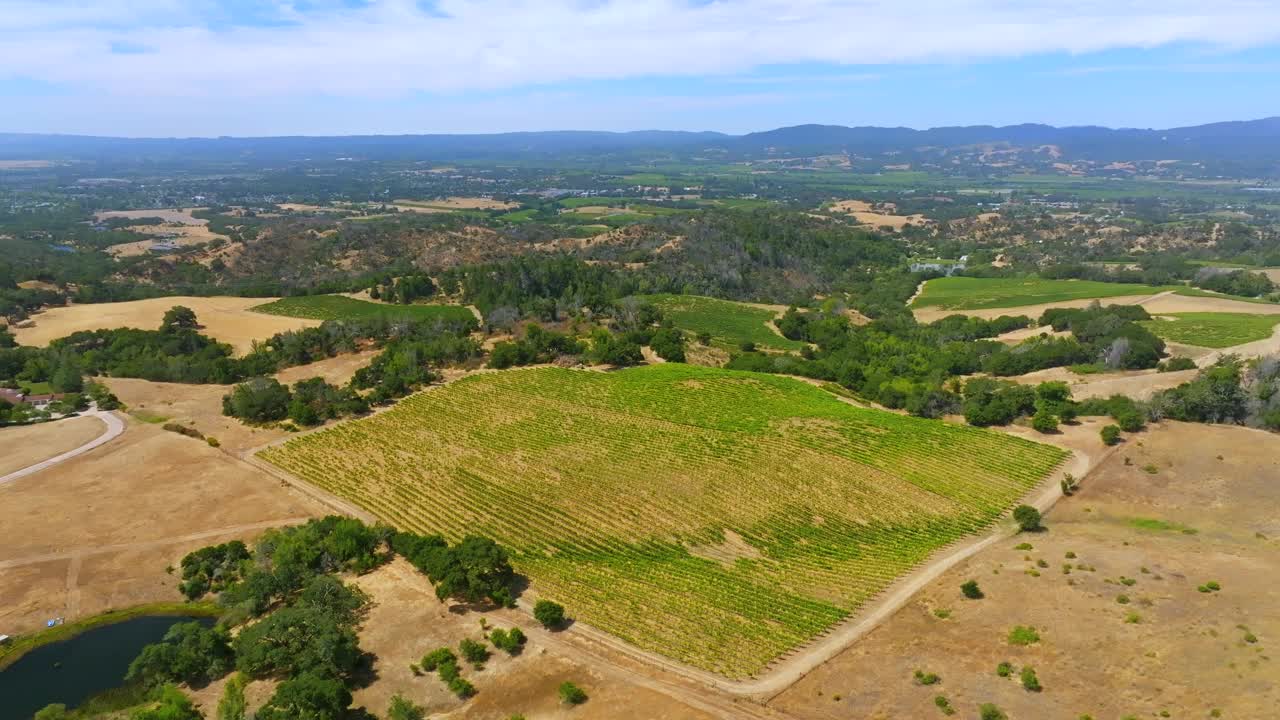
115, 427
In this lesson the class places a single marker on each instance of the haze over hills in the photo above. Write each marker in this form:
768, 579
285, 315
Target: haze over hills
1239, 148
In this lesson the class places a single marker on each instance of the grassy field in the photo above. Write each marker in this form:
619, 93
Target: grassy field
730, 323
966, 293
717, 517
1214, 330
341, 307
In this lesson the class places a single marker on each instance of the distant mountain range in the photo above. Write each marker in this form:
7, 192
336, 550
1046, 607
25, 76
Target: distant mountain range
1233, 148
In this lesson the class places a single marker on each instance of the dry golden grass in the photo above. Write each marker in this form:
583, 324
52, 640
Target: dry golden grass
460, 203
182, 216
227, 319
30, 444
97, 531
1186, 652
867, 214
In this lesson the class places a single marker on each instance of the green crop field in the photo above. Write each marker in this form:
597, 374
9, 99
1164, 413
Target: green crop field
730, 323
966, 293
1214, 330
341, 307
718, 517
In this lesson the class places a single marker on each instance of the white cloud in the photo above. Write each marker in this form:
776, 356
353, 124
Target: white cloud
392, 47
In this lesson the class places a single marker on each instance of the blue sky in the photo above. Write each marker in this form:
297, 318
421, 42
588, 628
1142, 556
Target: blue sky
245, 67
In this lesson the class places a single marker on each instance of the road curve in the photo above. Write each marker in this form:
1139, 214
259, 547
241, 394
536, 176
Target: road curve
114, 428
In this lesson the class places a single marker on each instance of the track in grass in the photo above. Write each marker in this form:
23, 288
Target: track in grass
718, 517
1213, 330
341, 307
730, 323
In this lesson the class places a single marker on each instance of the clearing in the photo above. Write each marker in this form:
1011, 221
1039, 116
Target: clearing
97, 531
615, 492
867, 214
1213, 330
458, 203
180, 217
225, 319
200, 406
1207, 513
966, 293
29, 444
730, 323
341, 307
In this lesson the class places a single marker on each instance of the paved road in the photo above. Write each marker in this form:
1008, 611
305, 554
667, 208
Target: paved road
114, 428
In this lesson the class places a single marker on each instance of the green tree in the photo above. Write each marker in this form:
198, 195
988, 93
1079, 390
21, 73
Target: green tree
1027, 517
404, 709
178, 318
56, 711
296, 640
474, 652
550, 614
259, 400
988, 711
1044, 422
309, 696
189, 653
1029, 679
171, 705
232, 705
571, 694
1110, 434
971, 590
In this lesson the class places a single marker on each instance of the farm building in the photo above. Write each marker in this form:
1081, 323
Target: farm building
949, 267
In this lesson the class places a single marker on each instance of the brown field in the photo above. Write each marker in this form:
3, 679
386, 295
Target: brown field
1185, 651
226, 319
179, 217
27, 445
200, 406
1137, 384
405, 621
98, 531
188, 235
1160, 303
461, 203
867, 214
36, 285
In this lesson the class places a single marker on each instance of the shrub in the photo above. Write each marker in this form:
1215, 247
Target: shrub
462, 688
1027, 517
550, 614
988, 711
1029, 679
475, 653
404, 709
971, 590
436, 658
571, 694
1213, 585
1044, 422
213, 441
508, 640
944, 705
1004, 669
1110, 434
924, 678
1175, 364
1023, 635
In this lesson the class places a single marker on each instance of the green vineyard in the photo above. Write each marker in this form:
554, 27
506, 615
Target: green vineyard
720, 518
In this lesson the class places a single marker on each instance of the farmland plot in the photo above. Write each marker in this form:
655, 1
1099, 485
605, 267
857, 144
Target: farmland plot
720, 518
729, 323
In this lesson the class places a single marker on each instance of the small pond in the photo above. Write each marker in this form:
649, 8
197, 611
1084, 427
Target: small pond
73, 670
